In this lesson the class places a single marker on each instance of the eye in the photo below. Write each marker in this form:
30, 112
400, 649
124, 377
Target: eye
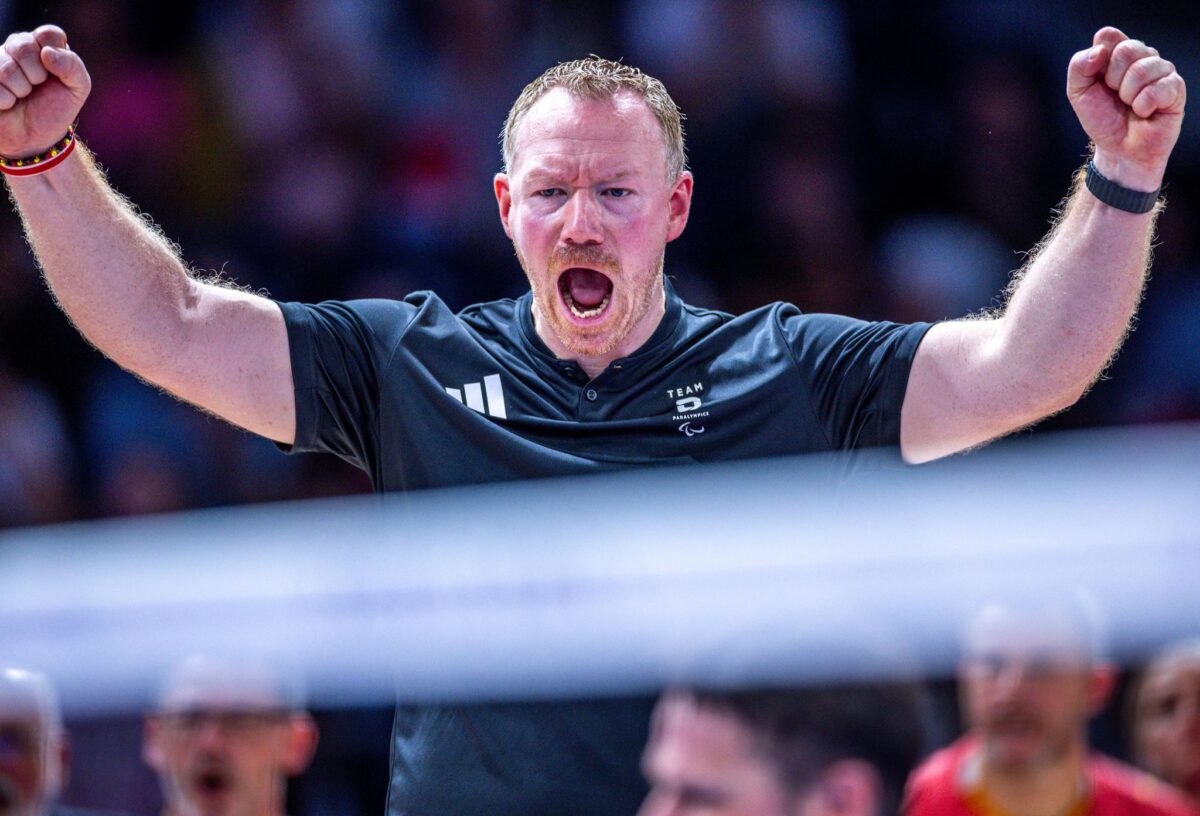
616, 192
549, 192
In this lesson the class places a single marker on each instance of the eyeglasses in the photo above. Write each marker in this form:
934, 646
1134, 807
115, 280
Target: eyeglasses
231, 722
18, 740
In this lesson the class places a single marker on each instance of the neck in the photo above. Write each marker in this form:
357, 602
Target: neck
1046, 788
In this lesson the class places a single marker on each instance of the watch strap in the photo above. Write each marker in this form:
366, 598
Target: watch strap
1114, 195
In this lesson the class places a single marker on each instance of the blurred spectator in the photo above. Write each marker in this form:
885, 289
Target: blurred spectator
227, 735
771, 752
1031, 678
36, 465
33, 745
1165, 727
942, 267
34, 753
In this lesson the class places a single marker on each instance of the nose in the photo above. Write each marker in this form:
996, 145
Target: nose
581, 224
210, 733
1011, 678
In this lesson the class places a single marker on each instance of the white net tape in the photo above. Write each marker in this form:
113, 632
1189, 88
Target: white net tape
622, 582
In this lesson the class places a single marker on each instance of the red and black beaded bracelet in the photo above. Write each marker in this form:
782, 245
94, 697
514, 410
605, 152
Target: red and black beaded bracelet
42, 162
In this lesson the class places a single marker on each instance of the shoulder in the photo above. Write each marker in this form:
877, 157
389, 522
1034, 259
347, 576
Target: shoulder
1122, 788
933, 787
374, 313
376, 320
498, 317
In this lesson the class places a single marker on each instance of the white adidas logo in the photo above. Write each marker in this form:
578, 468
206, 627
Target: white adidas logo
474, 393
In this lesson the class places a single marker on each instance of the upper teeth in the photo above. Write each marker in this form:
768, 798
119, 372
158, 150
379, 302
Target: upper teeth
585, 313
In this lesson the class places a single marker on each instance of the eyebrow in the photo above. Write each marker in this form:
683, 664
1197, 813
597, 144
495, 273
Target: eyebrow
539, 173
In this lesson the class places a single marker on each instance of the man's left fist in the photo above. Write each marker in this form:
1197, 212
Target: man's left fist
1130, 102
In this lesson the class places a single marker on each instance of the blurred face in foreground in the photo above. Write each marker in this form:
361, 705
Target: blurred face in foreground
32, 752
1028, 690
704, 761
23, 767
590, 210
1167, 721
226, 755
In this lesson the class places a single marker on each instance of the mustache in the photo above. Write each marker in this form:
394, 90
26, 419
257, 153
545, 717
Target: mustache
1013, 717
590, 255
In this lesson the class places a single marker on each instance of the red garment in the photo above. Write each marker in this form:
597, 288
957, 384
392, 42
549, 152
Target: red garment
938, 788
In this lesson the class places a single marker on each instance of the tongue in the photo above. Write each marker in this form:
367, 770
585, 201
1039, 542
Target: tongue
588, 287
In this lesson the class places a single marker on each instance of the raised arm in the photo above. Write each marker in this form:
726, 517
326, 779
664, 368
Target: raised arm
1070, 306
119, 280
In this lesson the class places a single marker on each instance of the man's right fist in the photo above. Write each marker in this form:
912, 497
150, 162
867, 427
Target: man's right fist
43, 85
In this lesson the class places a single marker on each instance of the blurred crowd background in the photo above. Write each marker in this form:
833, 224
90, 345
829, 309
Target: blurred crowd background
883, 160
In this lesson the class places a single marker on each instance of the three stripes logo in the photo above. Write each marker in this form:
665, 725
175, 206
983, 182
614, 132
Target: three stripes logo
473, 395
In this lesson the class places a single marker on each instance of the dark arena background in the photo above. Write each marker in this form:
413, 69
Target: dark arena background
881, 160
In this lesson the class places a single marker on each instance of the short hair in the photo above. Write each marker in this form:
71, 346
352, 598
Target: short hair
1183, 651
596, 78
30, 693
802, 731
238, 680
1073, 606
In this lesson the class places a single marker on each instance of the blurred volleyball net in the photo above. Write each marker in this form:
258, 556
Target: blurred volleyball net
774, 570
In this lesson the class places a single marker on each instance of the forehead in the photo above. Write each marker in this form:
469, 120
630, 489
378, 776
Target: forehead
1000, 633
23, 699
1171, 677
217, 686
561, 128
688, 738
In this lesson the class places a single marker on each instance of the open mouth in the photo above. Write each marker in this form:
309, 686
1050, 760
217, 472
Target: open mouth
212, 782
586, 292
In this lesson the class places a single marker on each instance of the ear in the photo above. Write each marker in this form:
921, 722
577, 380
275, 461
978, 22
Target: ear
301, 744
1101, 682
58, 767
503, 199
152, 752
848, 787
679, 205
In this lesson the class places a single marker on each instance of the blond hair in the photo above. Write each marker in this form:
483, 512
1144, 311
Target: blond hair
597, 78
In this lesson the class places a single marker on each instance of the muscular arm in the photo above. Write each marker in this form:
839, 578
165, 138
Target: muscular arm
1070, 307
118, 279
126, 290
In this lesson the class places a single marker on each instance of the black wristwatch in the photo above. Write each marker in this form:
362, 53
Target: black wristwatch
1114, 195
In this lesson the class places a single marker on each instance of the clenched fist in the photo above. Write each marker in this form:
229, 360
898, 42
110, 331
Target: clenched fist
1130, 102
43, 85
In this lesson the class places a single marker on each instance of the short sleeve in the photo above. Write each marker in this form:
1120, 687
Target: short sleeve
856, 373
339, 351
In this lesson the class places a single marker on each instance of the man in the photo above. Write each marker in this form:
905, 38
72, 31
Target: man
225, 738
600, 365
34, 750
1165, 727
1030, 681
33, 746
782, 752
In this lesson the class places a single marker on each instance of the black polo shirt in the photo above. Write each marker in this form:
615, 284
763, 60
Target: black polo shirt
421, 397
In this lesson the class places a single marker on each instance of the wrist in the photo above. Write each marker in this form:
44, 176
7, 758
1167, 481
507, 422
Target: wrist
1128, 174
39, 162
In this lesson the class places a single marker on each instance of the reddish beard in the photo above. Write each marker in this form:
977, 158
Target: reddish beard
601, 340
